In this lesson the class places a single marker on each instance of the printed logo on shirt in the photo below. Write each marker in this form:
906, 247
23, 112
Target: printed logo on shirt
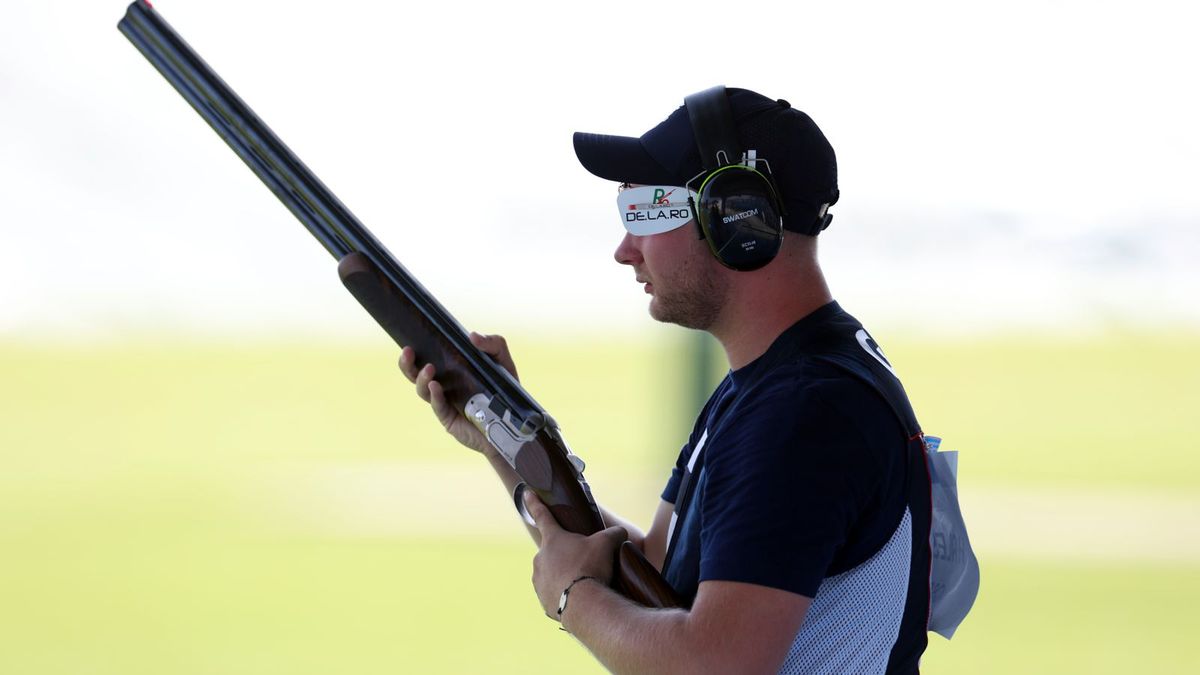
871, 347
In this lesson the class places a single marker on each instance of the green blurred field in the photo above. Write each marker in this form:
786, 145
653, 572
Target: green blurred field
180, 507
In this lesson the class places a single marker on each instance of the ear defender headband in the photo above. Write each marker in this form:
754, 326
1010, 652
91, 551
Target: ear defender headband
736, 206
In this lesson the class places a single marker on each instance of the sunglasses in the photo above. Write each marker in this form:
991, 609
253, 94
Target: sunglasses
653, 209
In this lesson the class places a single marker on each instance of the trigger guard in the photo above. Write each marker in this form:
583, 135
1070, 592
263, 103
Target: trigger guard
519, 502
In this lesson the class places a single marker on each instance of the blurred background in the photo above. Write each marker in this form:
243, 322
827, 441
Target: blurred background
211, 464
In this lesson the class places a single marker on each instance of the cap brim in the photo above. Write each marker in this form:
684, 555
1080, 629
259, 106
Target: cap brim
620, 158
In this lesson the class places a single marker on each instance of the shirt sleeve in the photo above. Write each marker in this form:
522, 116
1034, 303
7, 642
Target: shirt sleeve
671, 492
785, 486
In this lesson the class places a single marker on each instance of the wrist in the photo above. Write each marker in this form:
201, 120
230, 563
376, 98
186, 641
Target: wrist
569, 599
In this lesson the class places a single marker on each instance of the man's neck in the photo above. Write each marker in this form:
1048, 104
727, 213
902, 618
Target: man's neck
755, 317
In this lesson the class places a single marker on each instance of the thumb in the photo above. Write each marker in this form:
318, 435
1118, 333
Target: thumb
496, 347
490, 344
543, 520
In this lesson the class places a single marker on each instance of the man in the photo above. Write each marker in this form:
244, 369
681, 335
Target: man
796, 521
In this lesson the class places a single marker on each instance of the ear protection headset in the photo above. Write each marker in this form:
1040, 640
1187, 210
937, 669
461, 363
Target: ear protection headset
737, 207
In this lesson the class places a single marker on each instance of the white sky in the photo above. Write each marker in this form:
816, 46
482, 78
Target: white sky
1027, 164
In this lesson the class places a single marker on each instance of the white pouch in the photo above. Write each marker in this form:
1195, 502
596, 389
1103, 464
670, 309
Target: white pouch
954, 571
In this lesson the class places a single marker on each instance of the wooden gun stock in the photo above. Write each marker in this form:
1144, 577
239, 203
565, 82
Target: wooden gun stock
637, 579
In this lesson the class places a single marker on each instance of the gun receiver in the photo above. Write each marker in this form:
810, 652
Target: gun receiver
520, 429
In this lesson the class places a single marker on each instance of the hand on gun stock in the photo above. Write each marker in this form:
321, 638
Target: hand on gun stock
430, 390
564, 556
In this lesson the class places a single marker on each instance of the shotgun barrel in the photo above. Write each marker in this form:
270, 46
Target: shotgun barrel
514, 423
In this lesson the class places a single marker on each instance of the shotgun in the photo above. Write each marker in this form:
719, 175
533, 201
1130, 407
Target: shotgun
519, 429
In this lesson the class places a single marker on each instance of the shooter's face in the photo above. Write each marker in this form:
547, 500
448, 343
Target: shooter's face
680, 274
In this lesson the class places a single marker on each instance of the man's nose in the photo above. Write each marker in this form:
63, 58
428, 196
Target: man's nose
627, 252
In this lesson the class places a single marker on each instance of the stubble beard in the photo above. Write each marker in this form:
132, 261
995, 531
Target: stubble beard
692, 298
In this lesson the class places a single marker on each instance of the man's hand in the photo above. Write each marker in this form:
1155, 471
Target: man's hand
430, 391
565, 556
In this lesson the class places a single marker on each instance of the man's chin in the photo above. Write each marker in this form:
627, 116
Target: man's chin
665, 313
657, 311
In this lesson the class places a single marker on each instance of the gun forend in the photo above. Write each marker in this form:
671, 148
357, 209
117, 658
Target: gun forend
534, 448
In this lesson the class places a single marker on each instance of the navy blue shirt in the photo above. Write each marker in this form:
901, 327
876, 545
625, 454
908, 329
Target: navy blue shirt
801, 473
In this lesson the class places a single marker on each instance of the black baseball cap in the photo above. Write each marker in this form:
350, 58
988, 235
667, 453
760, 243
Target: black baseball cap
801, 160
